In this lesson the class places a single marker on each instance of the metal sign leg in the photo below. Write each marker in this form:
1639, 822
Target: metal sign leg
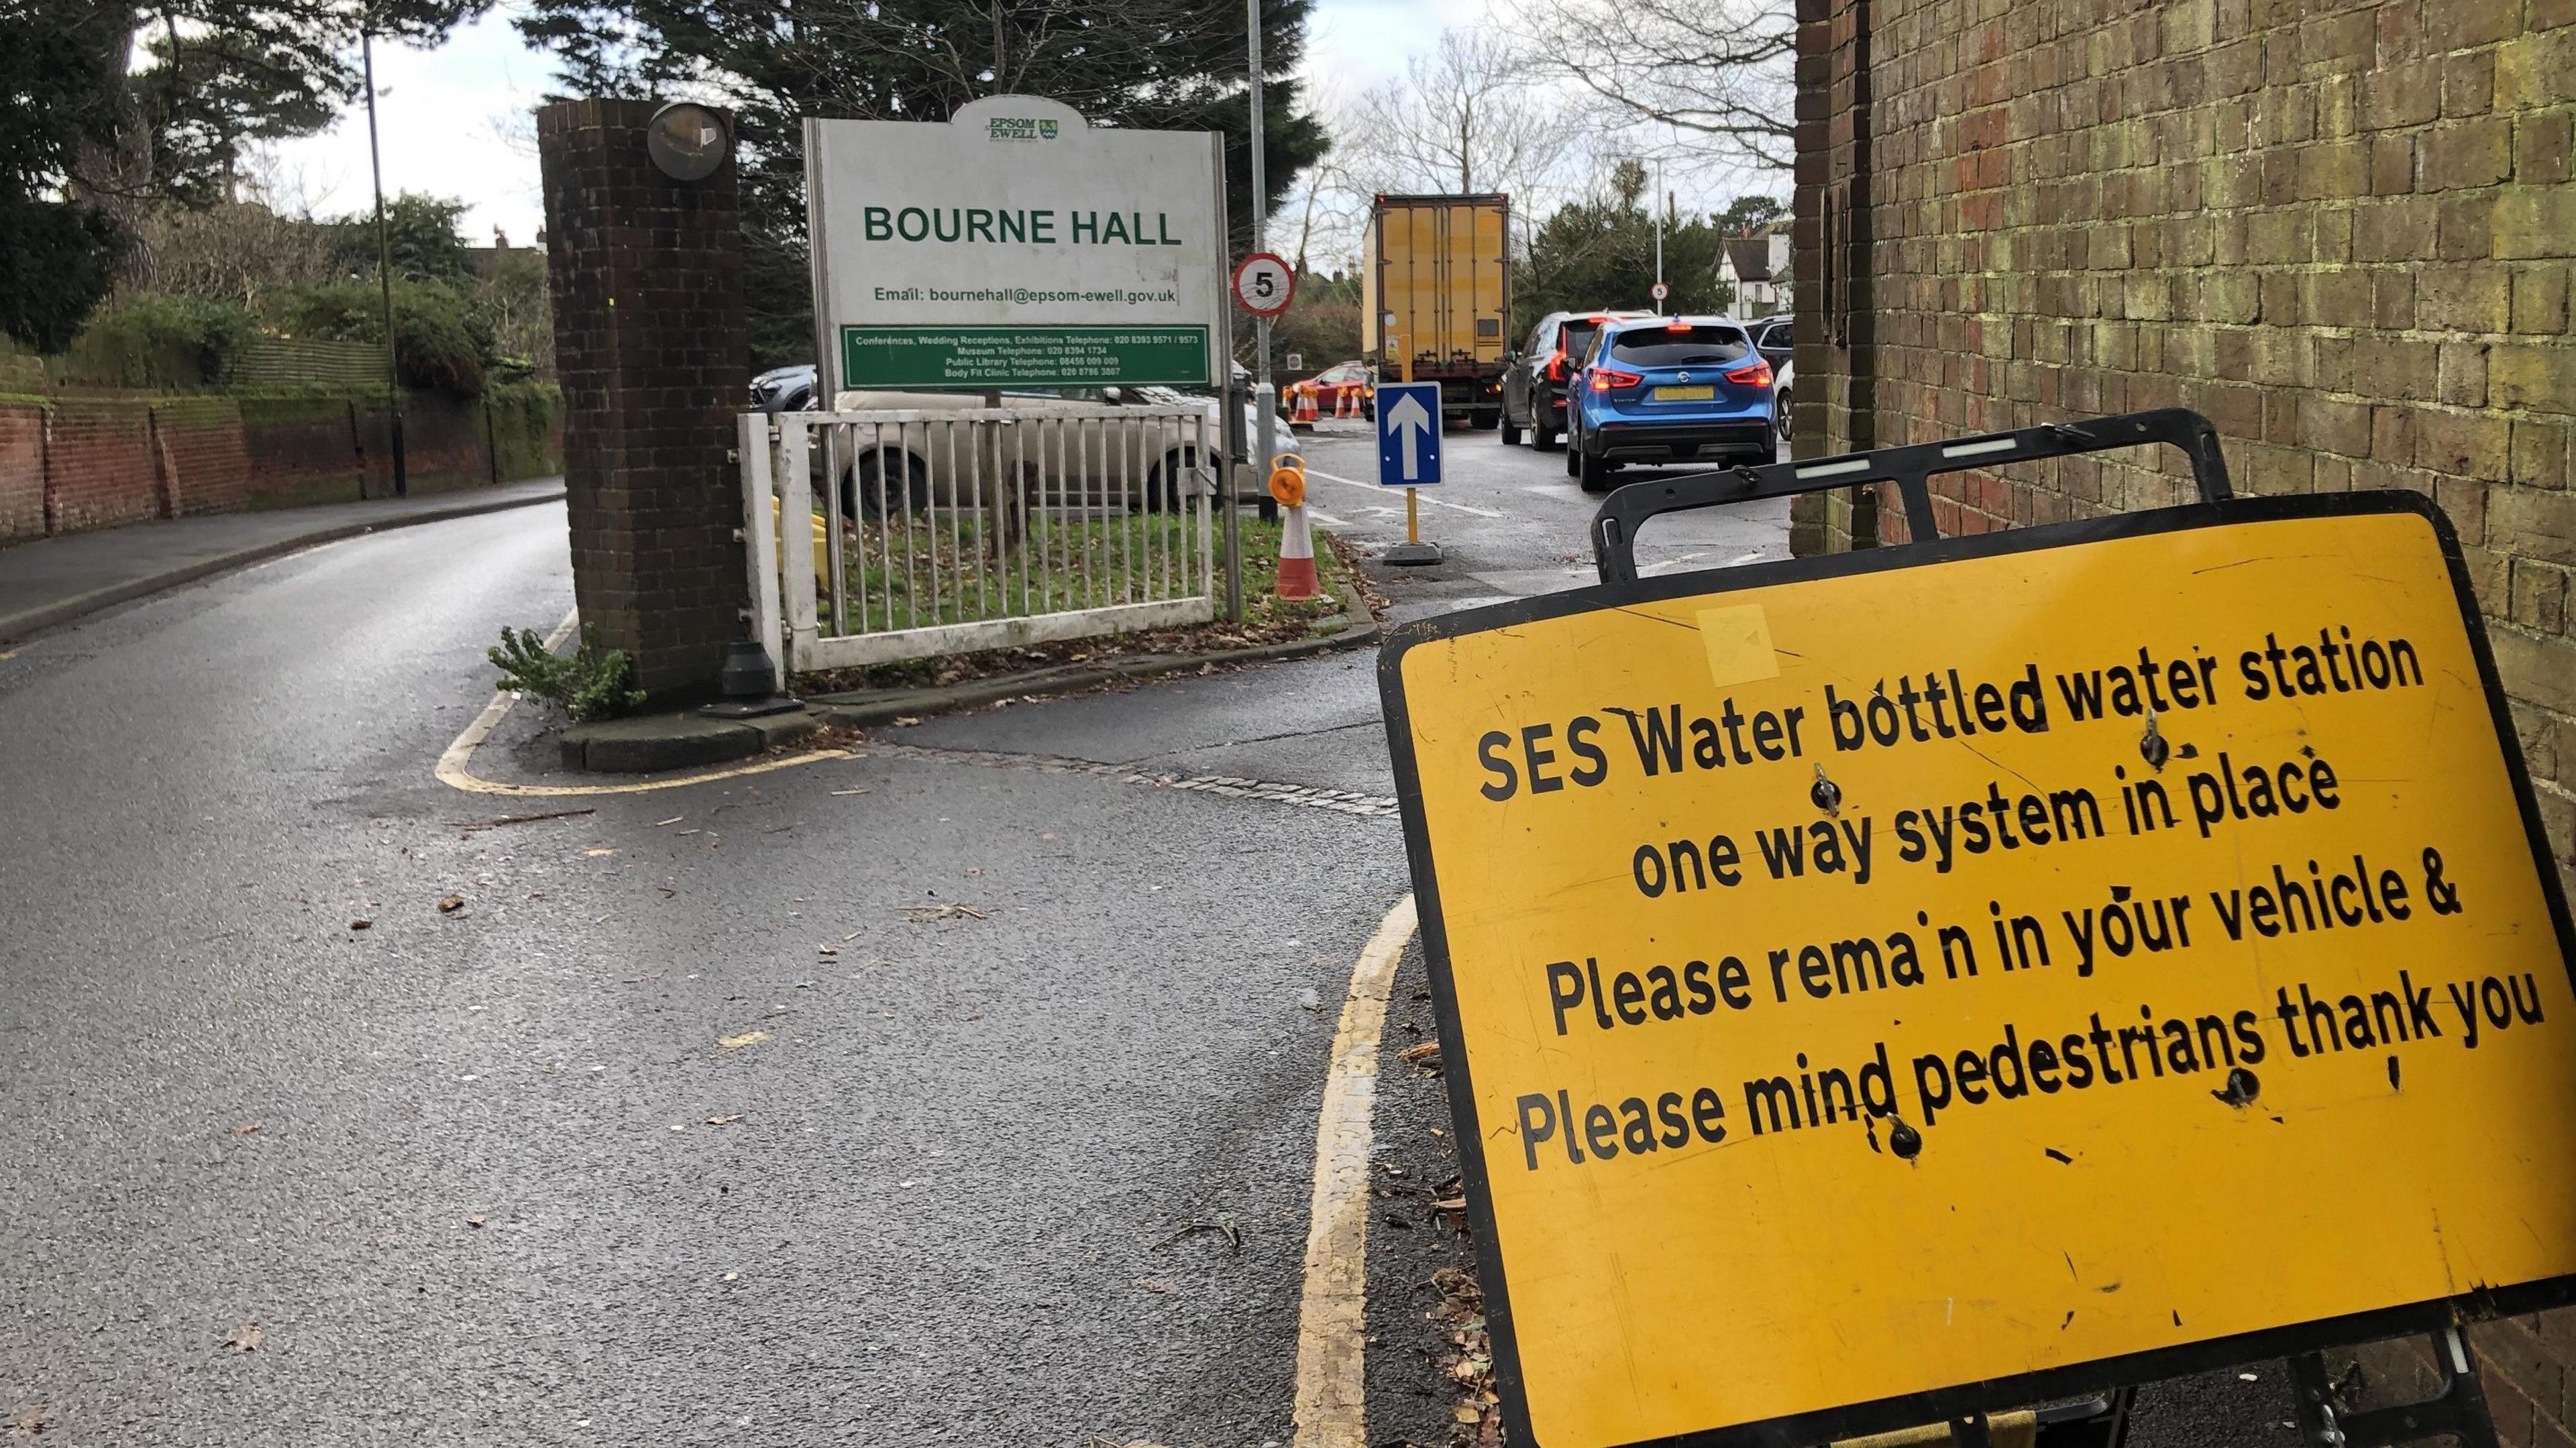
2458, 1411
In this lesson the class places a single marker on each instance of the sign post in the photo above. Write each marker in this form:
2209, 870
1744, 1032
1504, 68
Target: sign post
1408, 457
1901, 985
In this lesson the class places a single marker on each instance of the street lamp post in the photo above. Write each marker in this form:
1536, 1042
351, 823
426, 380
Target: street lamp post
384, 268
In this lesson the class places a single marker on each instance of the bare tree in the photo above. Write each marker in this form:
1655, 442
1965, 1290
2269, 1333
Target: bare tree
1718, 70
1465, 118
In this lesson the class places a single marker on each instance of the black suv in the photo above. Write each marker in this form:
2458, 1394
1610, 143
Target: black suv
1534, 383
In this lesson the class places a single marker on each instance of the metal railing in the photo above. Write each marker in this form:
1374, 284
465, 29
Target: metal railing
944, 532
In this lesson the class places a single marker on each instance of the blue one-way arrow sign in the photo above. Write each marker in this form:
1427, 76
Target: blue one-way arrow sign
1408, 434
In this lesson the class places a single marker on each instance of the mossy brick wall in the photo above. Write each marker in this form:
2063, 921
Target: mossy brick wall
2343, 231
69, 464
22, 472
652, 349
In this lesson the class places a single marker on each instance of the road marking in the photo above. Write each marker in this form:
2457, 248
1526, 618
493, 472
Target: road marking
456, 765
1332, 1313
1302, 796
1427, 495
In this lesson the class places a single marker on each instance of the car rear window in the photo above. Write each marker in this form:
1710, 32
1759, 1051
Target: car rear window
1684, 347
1578, 338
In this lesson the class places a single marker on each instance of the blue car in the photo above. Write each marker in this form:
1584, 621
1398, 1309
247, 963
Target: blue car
1668, 390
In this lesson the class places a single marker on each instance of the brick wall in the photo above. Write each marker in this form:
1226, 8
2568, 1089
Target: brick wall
2342, 229
22, 473
67, 465
651, 349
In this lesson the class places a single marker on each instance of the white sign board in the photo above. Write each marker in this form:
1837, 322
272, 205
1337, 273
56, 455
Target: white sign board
1016, 245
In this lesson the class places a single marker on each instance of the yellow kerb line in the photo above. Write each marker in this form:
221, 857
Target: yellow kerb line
1332, 1315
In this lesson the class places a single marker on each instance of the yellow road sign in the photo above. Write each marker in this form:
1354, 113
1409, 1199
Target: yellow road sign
1919, 980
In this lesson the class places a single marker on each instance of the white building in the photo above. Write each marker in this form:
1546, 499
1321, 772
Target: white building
1757, 267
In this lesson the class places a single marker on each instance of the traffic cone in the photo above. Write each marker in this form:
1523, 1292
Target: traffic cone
1305, 412
1296, 541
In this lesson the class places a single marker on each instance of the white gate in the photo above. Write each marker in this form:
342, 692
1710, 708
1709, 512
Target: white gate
946, 532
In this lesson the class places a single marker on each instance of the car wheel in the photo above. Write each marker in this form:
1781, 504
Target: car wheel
864, 494
1544, 438
1167, 483
1511, 434
1780, 414
1594, 473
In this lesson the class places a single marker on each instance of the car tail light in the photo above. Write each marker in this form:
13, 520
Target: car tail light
1556, 367
1677, 325
1605, 379
1754, 374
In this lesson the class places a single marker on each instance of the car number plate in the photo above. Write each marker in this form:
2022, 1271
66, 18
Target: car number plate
1685, 394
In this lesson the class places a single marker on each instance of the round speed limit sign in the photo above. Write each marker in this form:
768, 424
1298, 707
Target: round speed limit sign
1659, 291
1263, 284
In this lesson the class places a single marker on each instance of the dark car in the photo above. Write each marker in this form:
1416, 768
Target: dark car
1686, 389
784, 389
1772, 338
1534, 384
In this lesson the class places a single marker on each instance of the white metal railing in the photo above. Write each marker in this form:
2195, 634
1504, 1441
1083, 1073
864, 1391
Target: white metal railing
946, 532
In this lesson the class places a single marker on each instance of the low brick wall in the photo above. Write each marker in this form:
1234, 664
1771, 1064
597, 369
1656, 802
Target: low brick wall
71, 464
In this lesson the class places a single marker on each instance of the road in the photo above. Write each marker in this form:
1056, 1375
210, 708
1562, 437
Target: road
964, 1092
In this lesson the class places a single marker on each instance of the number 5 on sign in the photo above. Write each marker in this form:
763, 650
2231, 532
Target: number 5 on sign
1263, 284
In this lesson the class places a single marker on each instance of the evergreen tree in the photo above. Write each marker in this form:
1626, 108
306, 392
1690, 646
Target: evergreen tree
1600, 254
1151, 64
89, 138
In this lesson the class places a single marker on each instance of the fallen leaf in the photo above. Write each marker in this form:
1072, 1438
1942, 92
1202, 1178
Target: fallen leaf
724, 1120
733, 1277
1417, 1055
747, 1038
474, 1221
249, 1128
907, 720
246, 1338
451, 904
362, 925
1465, 1414
31, 1419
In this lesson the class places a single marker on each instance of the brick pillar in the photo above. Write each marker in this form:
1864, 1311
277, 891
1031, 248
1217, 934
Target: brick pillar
653, 354
1833, 236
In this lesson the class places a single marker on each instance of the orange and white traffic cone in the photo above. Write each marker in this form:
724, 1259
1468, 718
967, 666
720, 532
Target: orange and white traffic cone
1296, 540
1305, 412
1346, 403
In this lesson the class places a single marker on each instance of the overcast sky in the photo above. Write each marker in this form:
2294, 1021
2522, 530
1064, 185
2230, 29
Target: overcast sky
454, 119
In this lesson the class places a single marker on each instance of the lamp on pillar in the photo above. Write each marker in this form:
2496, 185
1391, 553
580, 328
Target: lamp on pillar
644, 254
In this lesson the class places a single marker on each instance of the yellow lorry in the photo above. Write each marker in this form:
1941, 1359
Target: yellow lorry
1435, 287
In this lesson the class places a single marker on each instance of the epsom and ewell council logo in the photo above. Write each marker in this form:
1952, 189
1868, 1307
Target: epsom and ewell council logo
1019, 128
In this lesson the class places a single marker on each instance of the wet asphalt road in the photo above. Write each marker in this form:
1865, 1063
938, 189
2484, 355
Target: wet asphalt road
463, 1170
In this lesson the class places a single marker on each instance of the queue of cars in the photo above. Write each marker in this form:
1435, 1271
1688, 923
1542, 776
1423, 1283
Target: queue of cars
1610, 387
